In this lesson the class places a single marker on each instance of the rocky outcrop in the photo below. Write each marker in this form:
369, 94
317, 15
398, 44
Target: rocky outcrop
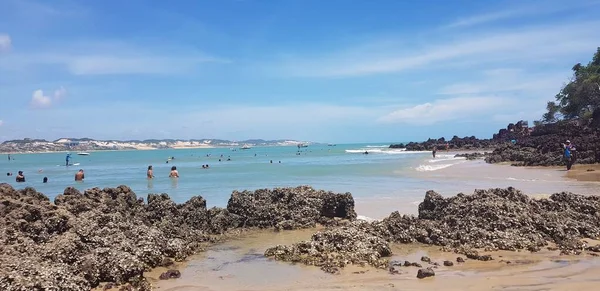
111, 235
544, 146
456, 143
487, 220
472, 156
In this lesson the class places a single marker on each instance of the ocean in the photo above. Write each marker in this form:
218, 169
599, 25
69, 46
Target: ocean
382, 181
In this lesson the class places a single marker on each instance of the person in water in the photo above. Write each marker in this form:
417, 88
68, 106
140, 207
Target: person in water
150, 173
67, 159
434, 151
174, 173
569, 154
20, 177
80, 175
45, 180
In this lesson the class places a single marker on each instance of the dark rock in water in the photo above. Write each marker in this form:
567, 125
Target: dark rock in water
425, 259
460, 260
424, 273
109, 235
170, 274
472, 156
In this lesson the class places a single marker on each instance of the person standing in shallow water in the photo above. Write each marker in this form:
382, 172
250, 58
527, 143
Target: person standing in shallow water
174, 173
80, 175
150, 172
434, 151
569, 154
20, 177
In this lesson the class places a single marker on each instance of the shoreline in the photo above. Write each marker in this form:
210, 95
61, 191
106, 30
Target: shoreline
140, 149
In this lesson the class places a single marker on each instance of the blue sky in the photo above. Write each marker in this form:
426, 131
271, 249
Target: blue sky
330, 71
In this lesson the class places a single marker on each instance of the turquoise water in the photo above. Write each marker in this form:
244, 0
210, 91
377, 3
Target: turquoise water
339, 168
385, 180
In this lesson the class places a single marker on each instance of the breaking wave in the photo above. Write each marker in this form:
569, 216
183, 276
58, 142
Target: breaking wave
429, 168
381, 151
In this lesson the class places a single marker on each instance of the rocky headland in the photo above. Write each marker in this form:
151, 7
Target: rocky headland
522, 145
111, 235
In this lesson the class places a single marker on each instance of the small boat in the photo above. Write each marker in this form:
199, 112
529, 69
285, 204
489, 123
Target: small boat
83, 154
246, 147
301, 145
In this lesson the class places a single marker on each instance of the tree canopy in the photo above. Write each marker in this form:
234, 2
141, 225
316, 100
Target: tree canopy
580, 98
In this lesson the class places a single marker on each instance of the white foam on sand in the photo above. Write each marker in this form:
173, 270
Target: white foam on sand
429, 168
382, 151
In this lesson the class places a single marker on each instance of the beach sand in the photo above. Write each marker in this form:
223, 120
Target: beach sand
583, 173
240, 265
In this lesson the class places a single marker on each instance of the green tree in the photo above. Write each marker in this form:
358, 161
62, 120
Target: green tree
580, 98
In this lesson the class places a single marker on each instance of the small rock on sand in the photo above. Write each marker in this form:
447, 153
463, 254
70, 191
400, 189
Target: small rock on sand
424, 273
460, 260
448, 263
170, 274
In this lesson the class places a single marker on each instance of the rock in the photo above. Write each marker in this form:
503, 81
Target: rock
394, 270
110, 235
472, 156
489, 220
170, 274
337, 247
449, 263
424, 273
425, 259
460, 260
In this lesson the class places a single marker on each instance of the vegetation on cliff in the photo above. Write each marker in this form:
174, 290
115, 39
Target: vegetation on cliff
580, 97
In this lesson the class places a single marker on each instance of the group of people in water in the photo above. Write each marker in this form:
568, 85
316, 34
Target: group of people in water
20, 178
173, 174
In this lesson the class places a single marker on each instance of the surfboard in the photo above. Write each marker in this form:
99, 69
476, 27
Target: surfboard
76, 164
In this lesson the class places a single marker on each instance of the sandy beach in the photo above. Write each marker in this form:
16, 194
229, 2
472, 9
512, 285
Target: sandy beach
587, 173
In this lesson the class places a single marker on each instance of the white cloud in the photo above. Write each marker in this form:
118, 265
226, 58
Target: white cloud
530, 9
1, 122
526, 45
39, 100
5, 42
509, 80
113, 58
444, 110
484, 18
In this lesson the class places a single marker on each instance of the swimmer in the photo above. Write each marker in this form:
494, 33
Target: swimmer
20, 177
174, 173
79, 176
150, 172
45, 180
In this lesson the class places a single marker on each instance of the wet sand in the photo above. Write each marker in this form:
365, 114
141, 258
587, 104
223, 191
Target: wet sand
585, 173
239, 265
